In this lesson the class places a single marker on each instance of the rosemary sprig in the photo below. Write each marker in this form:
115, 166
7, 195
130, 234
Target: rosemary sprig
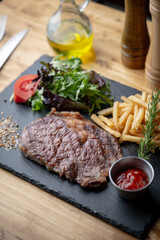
147, 145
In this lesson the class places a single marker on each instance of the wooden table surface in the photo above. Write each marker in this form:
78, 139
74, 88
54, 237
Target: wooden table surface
27, 212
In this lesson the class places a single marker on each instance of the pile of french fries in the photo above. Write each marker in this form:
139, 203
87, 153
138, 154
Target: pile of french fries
128, 119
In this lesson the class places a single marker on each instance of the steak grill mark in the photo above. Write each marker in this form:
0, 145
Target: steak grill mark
71, 146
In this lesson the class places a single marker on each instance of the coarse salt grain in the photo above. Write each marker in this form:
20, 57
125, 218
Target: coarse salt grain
8, 133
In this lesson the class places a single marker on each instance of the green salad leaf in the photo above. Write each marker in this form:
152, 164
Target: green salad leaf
64, 79
66, 64
36, 100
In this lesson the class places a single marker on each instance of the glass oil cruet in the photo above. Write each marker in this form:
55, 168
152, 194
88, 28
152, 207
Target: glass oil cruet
69, 30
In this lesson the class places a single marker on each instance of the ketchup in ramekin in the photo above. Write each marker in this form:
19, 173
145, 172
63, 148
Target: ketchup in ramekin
132, 179
131, 176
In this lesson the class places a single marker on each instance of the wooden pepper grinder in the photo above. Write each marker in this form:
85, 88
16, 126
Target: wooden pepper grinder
153, 58
135, 38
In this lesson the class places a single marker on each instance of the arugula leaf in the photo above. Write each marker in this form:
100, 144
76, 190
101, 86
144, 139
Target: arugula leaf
36, 100
66, 64
65, 78
71, 85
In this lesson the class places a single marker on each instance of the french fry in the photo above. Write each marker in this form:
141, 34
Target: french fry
128, 120
123, 105
135, 115
138, 139
138, 95
140, 114
133, 131
149, 98
123, 118
106, 120
130, 138
115, 114
127, 127
123, 110
146, 114
104, 126
106, 112
123, 98
138, 101
139, 134
139, 118
144, 96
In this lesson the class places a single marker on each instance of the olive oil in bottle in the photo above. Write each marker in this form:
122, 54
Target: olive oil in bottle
69, 31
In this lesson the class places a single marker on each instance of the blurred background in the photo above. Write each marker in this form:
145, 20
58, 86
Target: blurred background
119, 4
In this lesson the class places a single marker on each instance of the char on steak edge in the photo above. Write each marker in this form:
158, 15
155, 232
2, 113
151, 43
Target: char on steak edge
72, 146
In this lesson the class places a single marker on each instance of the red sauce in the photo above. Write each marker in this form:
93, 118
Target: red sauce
132, 179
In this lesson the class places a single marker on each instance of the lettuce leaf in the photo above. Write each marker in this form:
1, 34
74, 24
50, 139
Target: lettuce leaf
63, 80
36, 100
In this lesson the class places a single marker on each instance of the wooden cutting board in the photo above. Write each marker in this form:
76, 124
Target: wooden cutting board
135, 218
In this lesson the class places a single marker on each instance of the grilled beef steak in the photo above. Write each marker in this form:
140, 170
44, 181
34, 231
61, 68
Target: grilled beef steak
71, 146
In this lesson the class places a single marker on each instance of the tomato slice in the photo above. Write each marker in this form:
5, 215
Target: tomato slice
24, 88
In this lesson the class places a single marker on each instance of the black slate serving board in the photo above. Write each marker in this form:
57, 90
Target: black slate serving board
135, 218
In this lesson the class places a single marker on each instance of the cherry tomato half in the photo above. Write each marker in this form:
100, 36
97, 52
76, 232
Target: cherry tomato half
24, 88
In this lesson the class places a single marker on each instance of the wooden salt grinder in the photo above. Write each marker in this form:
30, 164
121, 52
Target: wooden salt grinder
153, 58
135, 38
